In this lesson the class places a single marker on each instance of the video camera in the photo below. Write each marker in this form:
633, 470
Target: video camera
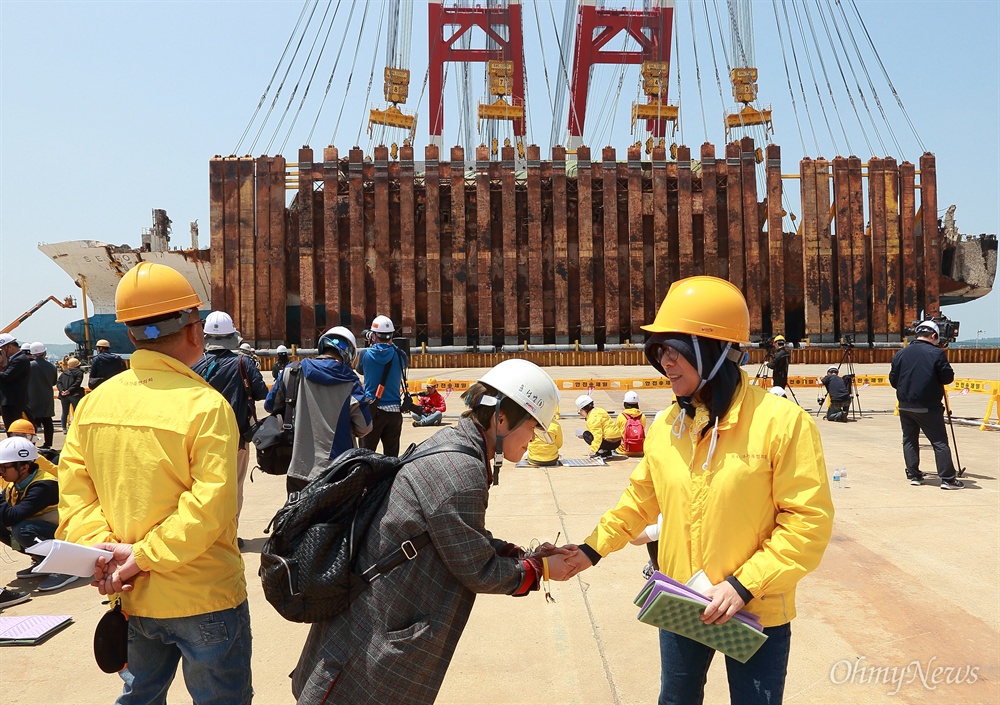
948, 329
847, 341
766, 344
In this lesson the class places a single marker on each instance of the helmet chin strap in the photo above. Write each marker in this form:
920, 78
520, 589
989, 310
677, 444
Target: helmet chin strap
498, 451
718, 364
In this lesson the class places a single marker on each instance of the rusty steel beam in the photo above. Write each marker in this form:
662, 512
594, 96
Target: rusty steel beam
685, 213
534, 255
585, 230
231, 247
264, 319
217, 232
754, 280
380, 261
360, 291
459, 261
734, 203
843, 249
432, 253
559, 237
276, 276
908, 225
710, 210
484, 295
510, 314
893, 260
876, 208
407, 236
810, 250
828, 293
612, 300
861, 249
661, 239
307, 265
932, 239
331, 238
633, 286
775, 240
447, 250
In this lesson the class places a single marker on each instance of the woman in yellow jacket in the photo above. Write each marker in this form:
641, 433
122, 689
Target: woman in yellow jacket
542, 454
740, 479
602, 432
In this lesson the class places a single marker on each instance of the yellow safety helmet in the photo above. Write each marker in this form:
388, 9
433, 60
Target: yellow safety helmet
704, 306
102, 343
430, 383
22, 426
779, 337
72, 363
149, 290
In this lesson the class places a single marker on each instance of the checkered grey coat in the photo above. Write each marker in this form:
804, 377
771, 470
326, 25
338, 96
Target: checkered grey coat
395, 642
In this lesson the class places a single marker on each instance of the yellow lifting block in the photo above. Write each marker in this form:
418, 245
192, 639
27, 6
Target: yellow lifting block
654, 77
391, 117
501, 75
654, 111
397, 85
744, 82
747, 117
500, 109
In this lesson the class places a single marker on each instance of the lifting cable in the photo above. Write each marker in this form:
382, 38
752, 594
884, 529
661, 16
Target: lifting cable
288, 69
350, 76
715, 60
545, 63
371, 71
697, 72
798, 73
270, 82
847, 87
298, 82
312, 75
788, 77
333, 71
885, 73
559, 130
871, 84
812, 73
826, 77
677, 53
463, 87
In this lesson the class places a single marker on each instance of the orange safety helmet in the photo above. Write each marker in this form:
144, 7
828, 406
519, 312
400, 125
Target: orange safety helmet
21, 426
708, 307
149, 290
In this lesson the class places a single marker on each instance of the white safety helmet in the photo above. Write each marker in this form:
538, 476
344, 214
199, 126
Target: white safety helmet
527, 385
26, 347
631, 397
219, 323
777, 391
583, 400
831, 368
343, 341
17, 450
281, 349
37, 348
929, 327
245, 347
382, 326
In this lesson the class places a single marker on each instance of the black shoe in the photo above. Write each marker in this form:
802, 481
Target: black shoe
239, 543
56, 581
952, 484
27, 574
9, 598
916, 480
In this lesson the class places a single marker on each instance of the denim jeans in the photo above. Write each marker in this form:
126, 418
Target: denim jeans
431, 419
760, 681
27, 533
214, 649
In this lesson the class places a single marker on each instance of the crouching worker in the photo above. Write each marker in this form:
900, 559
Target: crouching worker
602, 432
395, 642
29, 510
431, 406
148, 472
545, 454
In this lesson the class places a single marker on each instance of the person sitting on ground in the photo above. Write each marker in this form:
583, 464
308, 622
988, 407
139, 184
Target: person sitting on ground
29, 511
70, 387
430, 406
840, 395
105, 365
41, 402
330, 409
602, 433
634, 436
541, 453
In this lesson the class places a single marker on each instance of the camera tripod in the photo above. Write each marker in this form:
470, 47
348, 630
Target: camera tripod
762, 374
848, 359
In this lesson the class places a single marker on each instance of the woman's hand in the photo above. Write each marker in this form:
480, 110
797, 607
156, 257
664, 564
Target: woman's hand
725, 603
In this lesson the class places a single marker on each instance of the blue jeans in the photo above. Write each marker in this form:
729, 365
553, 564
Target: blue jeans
760, 681
431, 419
214, 649
27, 533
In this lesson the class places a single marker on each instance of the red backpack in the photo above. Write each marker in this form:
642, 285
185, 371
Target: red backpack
634, 436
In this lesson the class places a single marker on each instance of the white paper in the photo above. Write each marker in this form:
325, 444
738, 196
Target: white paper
699, 582
67, 558
32, 627
579, 433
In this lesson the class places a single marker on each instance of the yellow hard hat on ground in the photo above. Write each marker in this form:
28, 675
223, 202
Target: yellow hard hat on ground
149, 290
21, 426
704, 306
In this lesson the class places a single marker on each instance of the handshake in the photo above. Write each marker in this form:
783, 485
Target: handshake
563, 561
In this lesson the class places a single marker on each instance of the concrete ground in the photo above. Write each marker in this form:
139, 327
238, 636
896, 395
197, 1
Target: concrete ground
905, 607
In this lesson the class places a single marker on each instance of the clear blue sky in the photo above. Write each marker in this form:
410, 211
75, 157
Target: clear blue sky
110, 109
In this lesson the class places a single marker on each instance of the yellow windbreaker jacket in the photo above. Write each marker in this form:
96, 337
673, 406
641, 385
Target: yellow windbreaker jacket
150, 460
758, 509
547, 452
601, 425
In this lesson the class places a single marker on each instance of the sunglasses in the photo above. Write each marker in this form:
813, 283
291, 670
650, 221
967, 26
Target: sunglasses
667, 354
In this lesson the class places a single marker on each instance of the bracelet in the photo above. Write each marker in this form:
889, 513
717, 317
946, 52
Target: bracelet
545, 569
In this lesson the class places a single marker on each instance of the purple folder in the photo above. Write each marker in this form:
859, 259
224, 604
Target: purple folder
663, 583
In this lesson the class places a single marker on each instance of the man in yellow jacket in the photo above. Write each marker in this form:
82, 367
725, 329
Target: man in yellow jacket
148, 471
602, 432
739, 477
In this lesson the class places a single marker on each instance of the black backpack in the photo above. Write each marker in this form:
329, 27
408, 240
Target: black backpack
275, 434
308, 565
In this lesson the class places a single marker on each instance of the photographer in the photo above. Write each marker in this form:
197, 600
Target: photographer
918, 374
779, 361
840, 395
430, 406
